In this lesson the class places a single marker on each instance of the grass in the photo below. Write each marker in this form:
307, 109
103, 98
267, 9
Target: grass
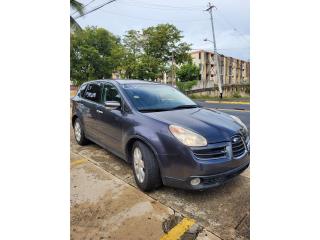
233, 98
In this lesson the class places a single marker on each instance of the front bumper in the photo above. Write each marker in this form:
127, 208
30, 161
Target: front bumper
206, 181
180, 168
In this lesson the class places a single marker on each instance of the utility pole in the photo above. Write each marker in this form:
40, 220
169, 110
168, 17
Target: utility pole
216, 56
172, 69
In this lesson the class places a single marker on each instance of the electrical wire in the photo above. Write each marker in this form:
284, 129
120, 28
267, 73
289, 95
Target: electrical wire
156, 20
233, 27
95, 8
167, 6
157, 8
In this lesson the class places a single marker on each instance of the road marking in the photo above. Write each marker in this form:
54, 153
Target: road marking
176, 232
77, 162
230, 110
227, 102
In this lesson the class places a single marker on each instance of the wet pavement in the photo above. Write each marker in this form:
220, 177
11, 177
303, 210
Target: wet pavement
105, 207
106, 204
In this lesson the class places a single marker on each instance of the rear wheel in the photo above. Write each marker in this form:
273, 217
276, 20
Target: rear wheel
145, 167
78, 133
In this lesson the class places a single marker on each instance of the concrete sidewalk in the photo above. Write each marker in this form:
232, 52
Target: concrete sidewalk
105, 207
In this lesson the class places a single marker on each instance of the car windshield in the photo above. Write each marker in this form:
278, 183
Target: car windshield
154, 97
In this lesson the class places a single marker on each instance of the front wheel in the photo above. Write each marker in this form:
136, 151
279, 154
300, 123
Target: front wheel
79, 133
145, 167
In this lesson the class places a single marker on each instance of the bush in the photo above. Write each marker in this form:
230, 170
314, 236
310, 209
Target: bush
186, 86
236, 95
188, 72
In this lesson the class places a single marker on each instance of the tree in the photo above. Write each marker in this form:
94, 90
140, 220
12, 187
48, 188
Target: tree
94, 54
75, 5
149, 52
164, 41
188, 72
132, 53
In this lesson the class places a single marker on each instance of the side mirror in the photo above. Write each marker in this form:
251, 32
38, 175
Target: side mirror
112, 105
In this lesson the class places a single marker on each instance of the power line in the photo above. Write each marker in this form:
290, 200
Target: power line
157, 8
233, 27
95, 9
168, 6
156, 20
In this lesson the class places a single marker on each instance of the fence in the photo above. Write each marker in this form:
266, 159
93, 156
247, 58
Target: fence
228, 91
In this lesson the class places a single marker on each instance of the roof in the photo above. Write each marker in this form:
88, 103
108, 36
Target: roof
123, 81
132, 81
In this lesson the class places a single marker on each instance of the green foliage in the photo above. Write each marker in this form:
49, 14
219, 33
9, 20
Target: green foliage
77, 6
186, 86
148, 52
94, 54
163, 41
236, 95
188, 72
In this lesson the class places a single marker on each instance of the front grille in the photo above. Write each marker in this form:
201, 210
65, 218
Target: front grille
238, 147
222, 178
214, 152
215, 180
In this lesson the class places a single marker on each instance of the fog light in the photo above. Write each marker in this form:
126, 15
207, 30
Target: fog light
195, 181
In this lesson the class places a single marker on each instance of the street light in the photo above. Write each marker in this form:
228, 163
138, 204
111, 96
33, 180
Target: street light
207, 40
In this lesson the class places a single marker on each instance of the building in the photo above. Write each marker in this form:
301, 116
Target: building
233, 71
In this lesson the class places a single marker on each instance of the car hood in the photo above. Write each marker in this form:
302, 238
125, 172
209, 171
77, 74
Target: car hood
215, 126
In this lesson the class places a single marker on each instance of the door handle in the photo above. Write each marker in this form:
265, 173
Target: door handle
99, 111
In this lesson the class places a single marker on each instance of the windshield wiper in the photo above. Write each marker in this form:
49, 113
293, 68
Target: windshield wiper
185, 106
168, 109
153, 109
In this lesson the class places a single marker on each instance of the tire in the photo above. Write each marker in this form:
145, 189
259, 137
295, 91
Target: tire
152, 177
79, 133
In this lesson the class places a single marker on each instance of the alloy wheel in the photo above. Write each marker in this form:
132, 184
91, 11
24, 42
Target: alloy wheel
77, 131
138, 164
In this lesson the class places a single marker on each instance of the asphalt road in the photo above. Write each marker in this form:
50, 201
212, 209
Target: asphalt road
240, 110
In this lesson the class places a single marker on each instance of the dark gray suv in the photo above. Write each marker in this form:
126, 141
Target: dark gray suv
166, 136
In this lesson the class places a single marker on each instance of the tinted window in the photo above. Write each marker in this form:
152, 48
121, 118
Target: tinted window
111, 93
93, 92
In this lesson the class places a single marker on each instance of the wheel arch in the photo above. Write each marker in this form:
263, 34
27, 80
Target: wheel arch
129, 145
74, 117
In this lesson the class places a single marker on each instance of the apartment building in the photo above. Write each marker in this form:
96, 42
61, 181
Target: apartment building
232, 70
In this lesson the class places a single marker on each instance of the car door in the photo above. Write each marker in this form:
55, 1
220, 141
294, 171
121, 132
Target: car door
111, 120
90, 102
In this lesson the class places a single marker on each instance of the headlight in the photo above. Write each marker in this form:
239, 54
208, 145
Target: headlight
188, 137
237, 120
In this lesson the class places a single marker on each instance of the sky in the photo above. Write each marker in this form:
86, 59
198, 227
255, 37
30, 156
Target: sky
231, 21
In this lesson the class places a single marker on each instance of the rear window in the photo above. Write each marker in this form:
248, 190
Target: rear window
93, 92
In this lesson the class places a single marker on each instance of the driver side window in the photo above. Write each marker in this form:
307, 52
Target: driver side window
110, 93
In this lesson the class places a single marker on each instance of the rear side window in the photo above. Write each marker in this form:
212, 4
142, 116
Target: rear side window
93, 92
82, 90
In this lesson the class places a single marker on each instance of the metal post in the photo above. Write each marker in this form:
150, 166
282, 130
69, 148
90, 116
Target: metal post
216, 56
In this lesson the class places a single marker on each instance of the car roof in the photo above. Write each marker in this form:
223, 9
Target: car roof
123, 81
